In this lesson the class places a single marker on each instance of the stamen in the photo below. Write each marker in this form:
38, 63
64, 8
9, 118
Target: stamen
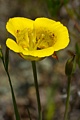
45, 40
22, 38
38, 41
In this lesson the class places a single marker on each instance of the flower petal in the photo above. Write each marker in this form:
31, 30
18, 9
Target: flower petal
62, 38
11, 44
18, 23
51, 27
39, 53
44, 21
28, 54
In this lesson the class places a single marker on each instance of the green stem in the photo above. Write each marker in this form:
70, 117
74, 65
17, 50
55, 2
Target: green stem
67, 100
37, 90
13, 98
6, 59
5, 64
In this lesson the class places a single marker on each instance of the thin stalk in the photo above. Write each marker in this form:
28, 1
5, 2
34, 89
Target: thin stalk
5, 64
67, 100
6, 59
13, 98
37, 89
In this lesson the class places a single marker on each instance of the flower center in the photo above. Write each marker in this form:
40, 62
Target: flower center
35, 40
44, 40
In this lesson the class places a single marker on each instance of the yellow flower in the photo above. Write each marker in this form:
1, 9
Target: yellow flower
36, 39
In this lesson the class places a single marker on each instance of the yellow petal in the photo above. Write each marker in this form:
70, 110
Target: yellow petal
31, 58
39, 53
62, 38
44, 21
18, 23
51, 27
11, 44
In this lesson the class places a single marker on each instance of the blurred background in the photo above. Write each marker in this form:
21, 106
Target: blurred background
51, 72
